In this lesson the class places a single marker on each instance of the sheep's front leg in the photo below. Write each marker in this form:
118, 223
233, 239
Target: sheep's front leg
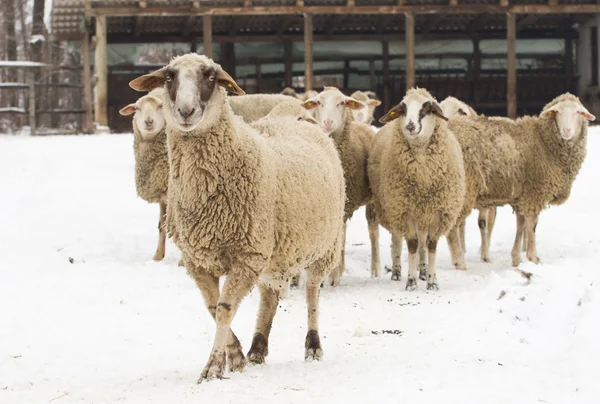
463, 240
237, 285
269, 300
209, 287
396, 256
312, 344
431, 240
456, 252
412, 241
516, 250
482, 221
422, 260
491, 220
531, 222
374, 238
162, 233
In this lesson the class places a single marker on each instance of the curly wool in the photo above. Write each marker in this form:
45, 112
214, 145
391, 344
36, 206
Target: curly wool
425, 183
252, 107
268, 198
524, 163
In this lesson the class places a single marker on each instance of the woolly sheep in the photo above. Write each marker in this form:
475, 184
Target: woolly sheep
369, 98
290, 92
418, 179
353, 141
452, 107
150, 151
529, 163
253, 205
252, 107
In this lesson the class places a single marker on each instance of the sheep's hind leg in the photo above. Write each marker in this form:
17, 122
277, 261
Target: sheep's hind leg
374, 238
162, 233
516, 250
531, 222
431, 271
482, 221
269, 300
423, 259
237, 285
456, 252
463, 240
335, 275
314, 277
209, 287
396, 256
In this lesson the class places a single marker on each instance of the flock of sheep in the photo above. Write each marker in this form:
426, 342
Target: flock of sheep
258, 188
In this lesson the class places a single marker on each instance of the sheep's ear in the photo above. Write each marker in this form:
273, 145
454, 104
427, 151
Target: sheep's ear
394, 113
228, 83
310, 103
149, 81
127, 110
353, 104
310, 119
374, 103
548, 114
586, 114
462, 112
437, 110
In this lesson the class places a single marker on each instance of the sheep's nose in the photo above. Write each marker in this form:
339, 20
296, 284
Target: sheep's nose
410, 127
186, 112
567, 131
149, 122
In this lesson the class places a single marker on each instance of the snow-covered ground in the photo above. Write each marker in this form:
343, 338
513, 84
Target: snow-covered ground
88, 317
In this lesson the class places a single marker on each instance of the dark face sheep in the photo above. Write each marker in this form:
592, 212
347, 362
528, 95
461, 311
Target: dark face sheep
569, 116
417, 116
190, 83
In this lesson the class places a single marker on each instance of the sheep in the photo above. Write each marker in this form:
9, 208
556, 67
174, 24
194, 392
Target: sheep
353, 141
417, 178
255, 106
369, 98
487, 216
529, 163
150, 151
290, 92
254, 204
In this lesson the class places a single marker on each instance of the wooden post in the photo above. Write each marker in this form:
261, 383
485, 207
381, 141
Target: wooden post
409, 37
372, 78
569, 64
386, 75
287, 60
258, 77
511, 65
31, 101
207, 34
346, 74
308, 52
100, 65
88, 126
476, 68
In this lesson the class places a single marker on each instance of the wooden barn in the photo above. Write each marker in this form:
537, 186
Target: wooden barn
505, 57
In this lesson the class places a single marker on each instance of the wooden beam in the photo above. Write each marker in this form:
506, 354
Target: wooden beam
385, 48
569, 64
409, 37
88, 124
247, 3
511, 65
207, 35
258, 77
453, 3
287, 60
100, 66
349, 3
114, 11
308, 50
372, 77
346, 75
31, 102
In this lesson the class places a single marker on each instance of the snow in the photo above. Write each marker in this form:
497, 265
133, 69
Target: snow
37, 38
20, 63
87, 316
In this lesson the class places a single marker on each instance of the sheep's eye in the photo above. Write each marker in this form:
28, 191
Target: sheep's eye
300, 118
160, 106
211, 78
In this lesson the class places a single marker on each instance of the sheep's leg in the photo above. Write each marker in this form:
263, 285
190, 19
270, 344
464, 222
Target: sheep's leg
483, 230
462, 236
531, 222
456, 252
236, 286
162, 233
524, 248
374, 238
336, 273
516, 251
431, 241
312, 344
423, 260
269, 300
491, 220
396, 256
412, 241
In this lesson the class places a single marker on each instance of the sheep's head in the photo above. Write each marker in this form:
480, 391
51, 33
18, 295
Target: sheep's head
452, 106
570, 116
191, 89
370, 100
330, 108
149, 117
418, 113
294, 110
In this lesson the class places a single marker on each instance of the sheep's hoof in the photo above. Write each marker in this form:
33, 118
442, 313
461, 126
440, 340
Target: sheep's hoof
461, 266
214, 369
158, 256
236, 360
397, 274
516, 261
313, 346
486, 259
387, 269
423, 272
433, 286
259, 349
411, 284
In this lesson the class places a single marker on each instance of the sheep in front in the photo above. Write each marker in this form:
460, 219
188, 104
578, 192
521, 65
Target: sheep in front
150, 152
252, 107
353, 141
528, 163
369, 98
253, 205
452, 107
418, 180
